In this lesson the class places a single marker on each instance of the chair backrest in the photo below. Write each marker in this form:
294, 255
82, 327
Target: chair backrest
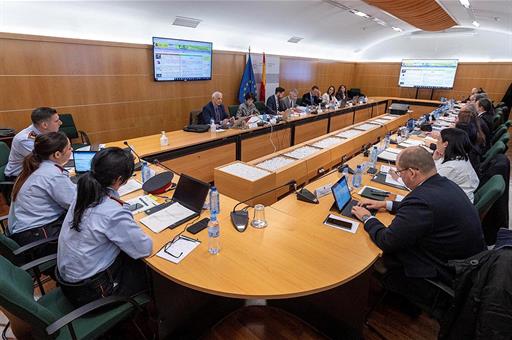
7, 247
489, 193
299, 101
261, 107
505, 138
496, 119
193, 117
17, 297
498, 133
4, 158
68, 125
497, 148
233, 110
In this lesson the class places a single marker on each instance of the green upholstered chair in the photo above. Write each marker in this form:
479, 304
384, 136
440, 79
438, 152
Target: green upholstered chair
502, 129
489, 193
20, 255
261, 107
69, 128
497, 148
505, 138
5, 186
233, 109
508, 123
53, 316
496, 120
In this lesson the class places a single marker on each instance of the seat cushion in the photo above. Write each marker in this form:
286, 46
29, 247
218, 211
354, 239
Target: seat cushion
93, 324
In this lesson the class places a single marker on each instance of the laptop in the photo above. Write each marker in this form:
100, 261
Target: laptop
343, 201
82, 160
190, 193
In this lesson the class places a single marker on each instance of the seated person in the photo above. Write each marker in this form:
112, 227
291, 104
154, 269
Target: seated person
247, 108
42, 193
312, 97
452, 160
273, 102
342, 93
485, 112
433, 224
290, 101
214, 110
329, 96
100, 242
44, 120
479, 136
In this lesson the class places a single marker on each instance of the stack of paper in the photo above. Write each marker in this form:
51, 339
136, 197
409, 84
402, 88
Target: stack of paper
390, 154
166, 217
348, 134
130, 186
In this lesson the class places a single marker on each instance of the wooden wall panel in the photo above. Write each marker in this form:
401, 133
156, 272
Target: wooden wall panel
109, 87
381, 79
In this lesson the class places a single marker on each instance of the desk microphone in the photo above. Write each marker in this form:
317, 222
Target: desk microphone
240, 218
307, 196
138, 165
157, 162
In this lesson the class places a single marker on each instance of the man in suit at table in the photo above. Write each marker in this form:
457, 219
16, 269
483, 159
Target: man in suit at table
214, 110
433, 224
273, 102
312, 97
290, 101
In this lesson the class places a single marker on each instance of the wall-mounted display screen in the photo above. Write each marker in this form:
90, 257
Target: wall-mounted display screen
182, 60
429, 73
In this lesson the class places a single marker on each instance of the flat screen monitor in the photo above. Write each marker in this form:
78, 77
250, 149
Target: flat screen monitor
428, 73
181, 60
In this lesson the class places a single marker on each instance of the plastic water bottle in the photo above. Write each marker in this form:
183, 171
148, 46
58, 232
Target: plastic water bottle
213, 235
387, 140
373, 156
145, 171
214, 200
346, 174
213, 127
164, 141
358, 177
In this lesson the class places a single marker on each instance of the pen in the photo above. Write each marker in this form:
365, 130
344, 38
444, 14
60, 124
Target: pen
188, 238
143, 202
379, 192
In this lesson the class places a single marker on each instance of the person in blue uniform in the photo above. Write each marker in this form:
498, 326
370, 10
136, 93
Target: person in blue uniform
42, 192
100, 243
44, 120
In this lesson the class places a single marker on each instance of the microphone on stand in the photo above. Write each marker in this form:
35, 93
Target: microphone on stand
138, 165
240, 218
157, 162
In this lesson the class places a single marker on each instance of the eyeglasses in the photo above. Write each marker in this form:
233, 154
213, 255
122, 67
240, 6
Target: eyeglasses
176, 239
397, 172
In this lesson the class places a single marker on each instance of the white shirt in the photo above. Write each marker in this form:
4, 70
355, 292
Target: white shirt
460, 172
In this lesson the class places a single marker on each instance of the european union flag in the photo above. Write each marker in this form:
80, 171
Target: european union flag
248, 84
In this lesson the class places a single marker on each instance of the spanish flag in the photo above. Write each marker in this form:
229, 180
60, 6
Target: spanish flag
263, 79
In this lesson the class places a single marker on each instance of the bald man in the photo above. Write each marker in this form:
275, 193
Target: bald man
433, 224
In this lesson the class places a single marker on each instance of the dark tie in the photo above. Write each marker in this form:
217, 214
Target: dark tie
217, 113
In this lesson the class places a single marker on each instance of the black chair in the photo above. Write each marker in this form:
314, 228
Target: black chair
5, 186
233, 109
193, 117
355, 92
69, 128
261, 107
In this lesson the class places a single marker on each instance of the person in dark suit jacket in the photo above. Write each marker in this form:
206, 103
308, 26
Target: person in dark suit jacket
273, 102
433, 224
312, 97
214, 109
485, 112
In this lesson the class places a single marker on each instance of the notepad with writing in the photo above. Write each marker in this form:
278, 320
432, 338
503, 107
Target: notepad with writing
166, 217
130, 186
178, 250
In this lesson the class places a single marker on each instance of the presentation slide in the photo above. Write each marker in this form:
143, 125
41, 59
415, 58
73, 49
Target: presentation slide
184, 60
431, 73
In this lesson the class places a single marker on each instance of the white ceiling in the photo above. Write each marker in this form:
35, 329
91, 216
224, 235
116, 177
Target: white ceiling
329, 31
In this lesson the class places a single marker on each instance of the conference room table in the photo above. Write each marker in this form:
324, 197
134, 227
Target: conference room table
297, 263
198, 154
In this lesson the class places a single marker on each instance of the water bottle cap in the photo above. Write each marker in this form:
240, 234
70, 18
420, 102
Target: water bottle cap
358, 166
213, 217
213, 188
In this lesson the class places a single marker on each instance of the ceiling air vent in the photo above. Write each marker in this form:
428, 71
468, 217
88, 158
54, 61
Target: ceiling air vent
186, 22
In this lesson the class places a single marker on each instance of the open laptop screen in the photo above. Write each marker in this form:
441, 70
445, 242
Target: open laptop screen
191, 192
341, 193
83, 160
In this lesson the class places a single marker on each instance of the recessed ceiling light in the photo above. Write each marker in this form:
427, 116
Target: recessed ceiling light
475, 23
359, 13
295, 39
397, 29
186, 22
465, 3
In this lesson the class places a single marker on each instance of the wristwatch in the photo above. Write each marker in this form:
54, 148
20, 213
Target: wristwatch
365, 218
